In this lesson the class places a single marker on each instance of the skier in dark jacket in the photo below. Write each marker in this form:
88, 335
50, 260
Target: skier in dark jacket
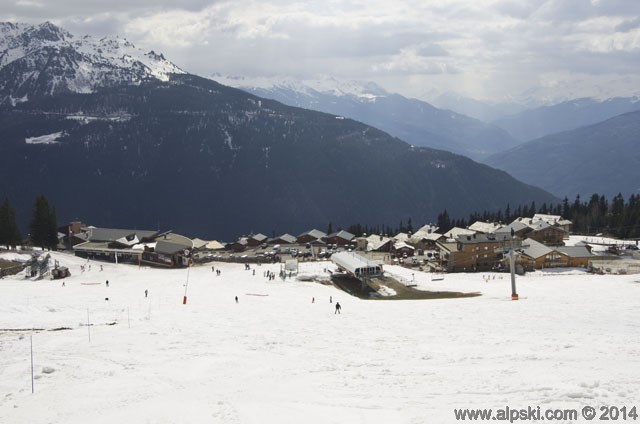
338, 307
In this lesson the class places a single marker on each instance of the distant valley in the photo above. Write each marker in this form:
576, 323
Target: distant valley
151, 148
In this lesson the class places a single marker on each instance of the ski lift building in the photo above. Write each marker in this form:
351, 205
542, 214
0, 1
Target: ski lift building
357, 265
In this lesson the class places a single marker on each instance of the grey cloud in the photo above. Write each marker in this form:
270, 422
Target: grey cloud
508, 42
577, 10
629, 25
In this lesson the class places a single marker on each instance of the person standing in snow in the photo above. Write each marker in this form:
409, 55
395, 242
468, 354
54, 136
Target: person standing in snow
338, 307
107, 283
146, 292
236, 299
330, 299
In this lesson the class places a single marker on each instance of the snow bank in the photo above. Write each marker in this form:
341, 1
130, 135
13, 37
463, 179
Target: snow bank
278, 357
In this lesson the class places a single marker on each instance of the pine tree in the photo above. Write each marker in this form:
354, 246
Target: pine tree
43, 227
9, 231
443, 222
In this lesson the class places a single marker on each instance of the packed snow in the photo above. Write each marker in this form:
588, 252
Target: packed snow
282, 355
53, 138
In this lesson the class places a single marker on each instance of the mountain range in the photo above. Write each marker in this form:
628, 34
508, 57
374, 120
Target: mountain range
412, 120
603, 158
142, 146
545, 120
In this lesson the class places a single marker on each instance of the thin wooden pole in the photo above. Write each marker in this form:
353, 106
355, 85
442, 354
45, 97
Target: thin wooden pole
31, 342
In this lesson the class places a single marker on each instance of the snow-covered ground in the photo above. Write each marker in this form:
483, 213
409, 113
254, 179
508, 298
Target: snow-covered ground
276, 357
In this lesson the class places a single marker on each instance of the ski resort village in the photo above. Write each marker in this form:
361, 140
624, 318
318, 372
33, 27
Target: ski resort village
122, 325
306, 213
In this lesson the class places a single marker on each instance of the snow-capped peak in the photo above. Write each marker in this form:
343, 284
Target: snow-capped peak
45, 59
324, 85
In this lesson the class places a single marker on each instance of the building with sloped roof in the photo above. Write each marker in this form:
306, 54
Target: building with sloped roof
375, 243
546, 233
312, 236
474, 252
425, 241
283, 239
401, 249
575, 256
533, 255
340, 238
520, 229
256, 239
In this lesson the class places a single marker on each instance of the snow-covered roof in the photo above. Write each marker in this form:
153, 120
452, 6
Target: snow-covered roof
457, 231
422, 235
199, 243
401, 237
427, 229
541, 225
215, 245
484, 227
376, 242
402, 245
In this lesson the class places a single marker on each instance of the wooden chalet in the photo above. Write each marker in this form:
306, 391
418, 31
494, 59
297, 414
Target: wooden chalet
256, 240
170, 250
375, 243
402, 249
546, 234
312, 236
283, 239
341, 238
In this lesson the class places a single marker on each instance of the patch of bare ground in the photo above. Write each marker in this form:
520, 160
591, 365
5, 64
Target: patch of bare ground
368, 289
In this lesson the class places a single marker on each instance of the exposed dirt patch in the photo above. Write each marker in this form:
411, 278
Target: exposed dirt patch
368, 289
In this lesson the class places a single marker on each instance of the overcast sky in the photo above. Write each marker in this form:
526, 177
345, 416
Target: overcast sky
486, 49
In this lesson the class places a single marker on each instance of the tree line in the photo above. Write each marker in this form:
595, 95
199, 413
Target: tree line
43, 227
616, 218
